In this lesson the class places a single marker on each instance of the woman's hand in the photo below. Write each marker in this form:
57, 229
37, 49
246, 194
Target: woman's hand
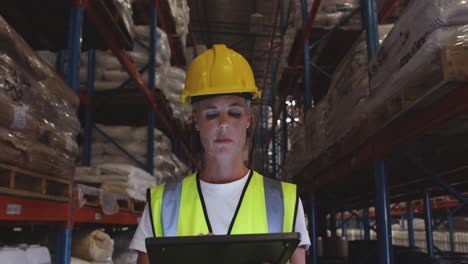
209, 234
143, 258
299, 256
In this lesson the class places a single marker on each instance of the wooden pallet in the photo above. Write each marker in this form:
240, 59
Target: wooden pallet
93, 200
441, 74
21, 182
444, 72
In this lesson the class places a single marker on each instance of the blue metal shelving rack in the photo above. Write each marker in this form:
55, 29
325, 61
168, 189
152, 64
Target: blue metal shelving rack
64, 214
374, 152
92, 105
73, 66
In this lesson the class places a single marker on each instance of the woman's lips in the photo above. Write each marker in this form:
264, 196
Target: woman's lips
223, 141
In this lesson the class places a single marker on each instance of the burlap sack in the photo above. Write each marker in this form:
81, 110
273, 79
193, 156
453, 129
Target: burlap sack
92, 245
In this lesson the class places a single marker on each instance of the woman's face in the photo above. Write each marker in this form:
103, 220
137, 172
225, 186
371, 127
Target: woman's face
222, 122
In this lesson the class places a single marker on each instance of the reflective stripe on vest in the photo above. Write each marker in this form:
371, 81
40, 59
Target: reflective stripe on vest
171, 204
266, 206
274, 205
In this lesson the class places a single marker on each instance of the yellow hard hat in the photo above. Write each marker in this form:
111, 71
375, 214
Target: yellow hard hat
219, 71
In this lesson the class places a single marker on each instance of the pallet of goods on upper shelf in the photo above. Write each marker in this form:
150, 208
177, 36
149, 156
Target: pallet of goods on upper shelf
173, 16
45, 24
111, 193
167, 166
175, 13
110, 202
109, 74
423, 57
332, 12
38, 123
110, 197
347, 96
113, 173
121, 181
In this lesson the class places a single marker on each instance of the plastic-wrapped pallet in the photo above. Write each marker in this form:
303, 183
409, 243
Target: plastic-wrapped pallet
316, 129
124, 8
167, 167
109, 73
419, 33
108, 197
303, 151
38, 125
133, 139
181, 13
404, 65
296, 158
349, 90
347, 96
133, 181
331, 12
163, 50
171, 80
136, 179
175, 85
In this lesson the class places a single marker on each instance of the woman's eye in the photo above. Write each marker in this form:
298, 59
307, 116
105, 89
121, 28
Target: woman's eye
211, 116
237, 115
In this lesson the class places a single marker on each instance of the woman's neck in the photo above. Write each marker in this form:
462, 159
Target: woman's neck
219, 171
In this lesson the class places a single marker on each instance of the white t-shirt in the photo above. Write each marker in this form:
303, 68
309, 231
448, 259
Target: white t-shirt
221, 202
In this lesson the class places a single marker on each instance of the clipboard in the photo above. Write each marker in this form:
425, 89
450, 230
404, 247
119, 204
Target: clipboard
274, 248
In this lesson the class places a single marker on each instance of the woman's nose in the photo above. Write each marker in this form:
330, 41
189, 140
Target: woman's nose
223, 122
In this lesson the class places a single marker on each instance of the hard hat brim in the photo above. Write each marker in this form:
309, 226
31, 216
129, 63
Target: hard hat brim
199, 98
188, 100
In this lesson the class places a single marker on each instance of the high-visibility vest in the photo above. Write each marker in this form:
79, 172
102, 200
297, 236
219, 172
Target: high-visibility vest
265, 206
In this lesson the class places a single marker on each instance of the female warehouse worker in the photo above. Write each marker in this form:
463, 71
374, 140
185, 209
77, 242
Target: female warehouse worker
225, 197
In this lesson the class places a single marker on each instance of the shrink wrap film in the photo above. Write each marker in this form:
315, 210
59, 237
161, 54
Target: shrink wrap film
39, 123
33, 65
426, 23
23, 152
24, 120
